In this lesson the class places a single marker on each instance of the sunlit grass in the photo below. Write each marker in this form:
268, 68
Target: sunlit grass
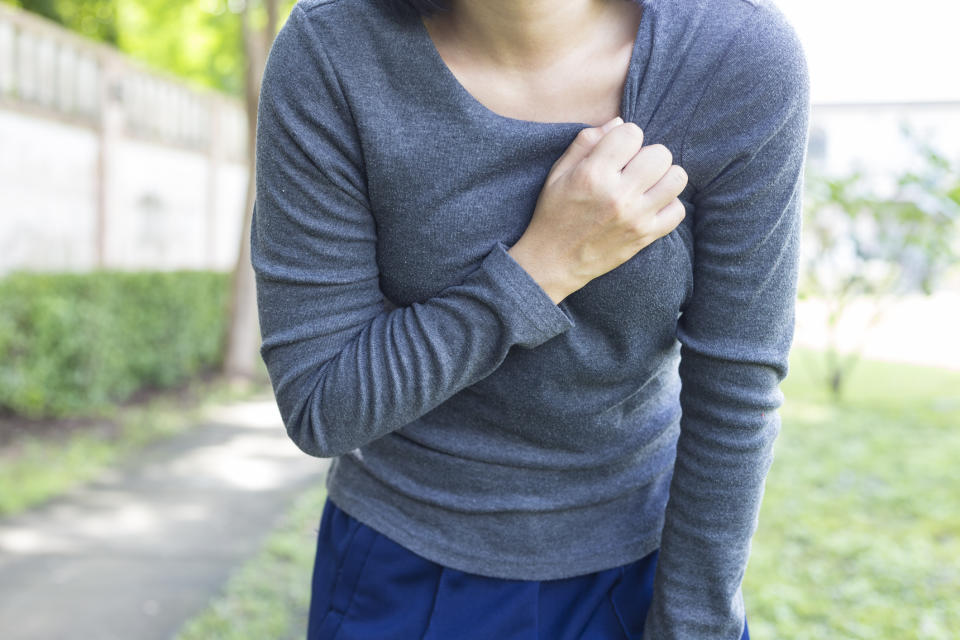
860, 526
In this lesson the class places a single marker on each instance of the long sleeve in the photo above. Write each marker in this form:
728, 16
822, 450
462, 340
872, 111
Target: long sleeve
744, 151
347, 367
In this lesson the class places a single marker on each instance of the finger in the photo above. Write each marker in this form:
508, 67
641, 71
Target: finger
584, 141
617, 147
667, 188
650, 169
669, 217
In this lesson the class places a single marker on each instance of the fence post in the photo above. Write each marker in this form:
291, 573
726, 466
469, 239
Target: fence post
214, 161
109, 129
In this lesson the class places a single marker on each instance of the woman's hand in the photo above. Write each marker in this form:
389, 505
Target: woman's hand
606, 198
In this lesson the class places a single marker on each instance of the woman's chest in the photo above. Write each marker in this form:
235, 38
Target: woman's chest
440, 209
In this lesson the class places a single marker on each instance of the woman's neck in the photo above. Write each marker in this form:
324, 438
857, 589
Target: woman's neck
528, 35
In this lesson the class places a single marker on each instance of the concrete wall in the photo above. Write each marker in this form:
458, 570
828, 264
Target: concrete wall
47, 194
107, 164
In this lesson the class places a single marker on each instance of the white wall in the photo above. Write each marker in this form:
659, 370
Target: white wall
868, 136
106, 163
47, 194
159, 210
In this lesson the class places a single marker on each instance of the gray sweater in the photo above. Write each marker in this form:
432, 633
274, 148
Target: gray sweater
470, 418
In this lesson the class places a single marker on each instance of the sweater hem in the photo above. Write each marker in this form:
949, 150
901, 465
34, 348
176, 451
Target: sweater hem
368, 501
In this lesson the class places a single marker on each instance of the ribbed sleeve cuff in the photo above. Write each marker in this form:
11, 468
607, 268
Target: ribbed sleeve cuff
532, 315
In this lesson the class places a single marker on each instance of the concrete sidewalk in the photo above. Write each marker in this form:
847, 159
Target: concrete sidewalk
134, 554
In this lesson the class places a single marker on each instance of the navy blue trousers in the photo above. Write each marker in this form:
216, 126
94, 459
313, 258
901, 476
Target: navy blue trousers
368, 587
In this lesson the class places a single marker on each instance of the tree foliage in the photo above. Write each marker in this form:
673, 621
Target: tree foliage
861, 245
199, 40
95, 19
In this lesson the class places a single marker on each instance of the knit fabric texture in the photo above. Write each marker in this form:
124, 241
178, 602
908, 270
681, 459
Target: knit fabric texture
469, 417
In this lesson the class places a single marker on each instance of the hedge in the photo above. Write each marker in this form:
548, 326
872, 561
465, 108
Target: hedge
75, 343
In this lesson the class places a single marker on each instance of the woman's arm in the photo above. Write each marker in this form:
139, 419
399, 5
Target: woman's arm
344, 369
737, 328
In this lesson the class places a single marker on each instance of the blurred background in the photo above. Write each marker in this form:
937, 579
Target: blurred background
147, 487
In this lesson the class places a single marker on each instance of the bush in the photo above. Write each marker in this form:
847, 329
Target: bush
74, 343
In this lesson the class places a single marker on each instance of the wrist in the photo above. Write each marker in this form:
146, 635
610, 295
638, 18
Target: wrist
557, 284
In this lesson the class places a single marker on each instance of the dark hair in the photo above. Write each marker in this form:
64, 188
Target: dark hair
425, 8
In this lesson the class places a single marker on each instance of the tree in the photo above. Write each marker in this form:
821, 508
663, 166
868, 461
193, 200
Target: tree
95, 19
199, 41
859, 245
243, 331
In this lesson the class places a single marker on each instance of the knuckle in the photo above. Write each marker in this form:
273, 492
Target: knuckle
633, 129
640, 229
664, 152
589, 176
588, 132
679, 209
620, 205
588, 136
678, 175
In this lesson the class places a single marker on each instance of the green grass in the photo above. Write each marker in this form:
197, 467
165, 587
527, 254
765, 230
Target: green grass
34, 469
269, 596
859, 531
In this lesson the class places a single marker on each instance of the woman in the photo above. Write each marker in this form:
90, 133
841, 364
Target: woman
543, 357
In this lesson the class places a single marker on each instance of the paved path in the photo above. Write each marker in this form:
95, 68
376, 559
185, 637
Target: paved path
136, 553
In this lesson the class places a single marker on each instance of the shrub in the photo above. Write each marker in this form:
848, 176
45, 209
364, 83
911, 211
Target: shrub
74, 343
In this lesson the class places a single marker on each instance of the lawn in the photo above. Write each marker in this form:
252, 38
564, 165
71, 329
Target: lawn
859, 532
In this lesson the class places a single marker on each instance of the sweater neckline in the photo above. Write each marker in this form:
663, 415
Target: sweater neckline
439, 70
